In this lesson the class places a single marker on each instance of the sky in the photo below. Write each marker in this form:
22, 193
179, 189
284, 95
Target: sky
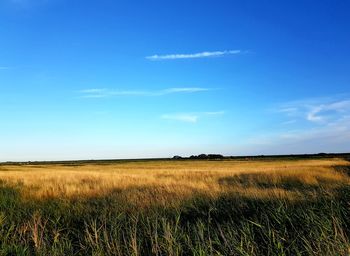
137, 79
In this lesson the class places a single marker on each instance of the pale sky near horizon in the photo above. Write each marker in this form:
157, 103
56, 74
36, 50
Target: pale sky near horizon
137, 79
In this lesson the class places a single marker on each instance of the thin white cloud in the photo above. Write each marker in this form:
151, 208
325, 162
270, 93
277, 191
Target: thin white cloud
183, 89
342, 105
321, 125
333, 137
104, 93
4, 68
288, 110
289, 122
312, 114
318, 111
93, 93
92, 90
337, 131
322, 112
214, 113
191, 117
188, 118
193, 55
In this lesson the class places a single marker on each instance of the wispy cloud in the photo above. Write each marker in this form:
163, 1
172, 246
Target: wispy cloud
103, 93
193, 55
214, 113
4, 67
312, 125
289, 122
333, 138
318, 111
312, 114
185, 117
191, 117
288, 110
183, 89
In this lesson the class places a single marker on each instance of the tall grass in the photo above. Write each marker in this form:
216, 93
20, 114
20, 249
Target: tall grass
177, 208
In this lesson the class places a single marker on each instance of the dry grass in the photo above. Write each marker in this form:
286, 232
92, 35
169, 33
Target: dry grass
280, 207
169, 182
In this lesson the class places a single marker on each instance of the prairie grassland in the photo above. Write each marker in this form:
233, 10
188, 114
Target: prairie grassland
146, 183
282, 207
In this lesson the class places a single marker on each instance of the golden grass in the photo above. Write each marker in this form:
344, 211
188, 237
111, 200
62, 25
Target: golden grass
169, 182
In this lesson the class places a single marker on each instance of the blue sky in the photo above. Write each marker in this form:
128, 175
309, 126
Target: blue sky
129, 79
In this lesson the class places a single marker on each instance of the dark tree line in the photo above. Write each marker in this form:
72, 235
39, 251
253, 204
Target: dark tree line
202, 156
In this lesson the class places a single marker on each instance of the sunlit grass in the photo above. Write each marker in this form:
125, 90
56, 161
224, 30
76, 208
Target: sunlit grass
163, 181
277, 207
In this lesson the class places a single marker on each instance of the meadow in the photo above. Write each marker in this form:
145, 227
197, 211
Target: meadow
176, 207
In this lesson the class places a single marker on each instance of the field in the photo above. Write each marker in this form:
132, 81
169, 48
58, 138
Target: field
176, 207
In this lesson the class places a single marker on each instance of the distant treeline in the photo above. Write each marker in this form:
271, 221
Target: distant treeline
203, 156
267, 157
345, 156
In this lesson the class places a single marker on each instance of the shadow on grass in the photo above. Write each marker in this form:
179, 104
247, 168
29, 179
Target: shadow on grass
253, 180
201, 225
345, 169
276, 227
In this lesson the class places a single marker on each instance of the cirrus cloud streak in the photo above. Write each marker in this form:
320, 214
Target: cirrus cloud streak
104, 93
191, 117
205, 54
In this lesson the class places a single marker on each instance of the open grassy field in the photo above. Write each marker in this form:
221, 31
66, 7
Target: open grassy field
227, 207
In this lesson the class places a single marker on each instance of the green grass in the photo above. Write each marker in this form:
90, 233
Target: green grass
228, 225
